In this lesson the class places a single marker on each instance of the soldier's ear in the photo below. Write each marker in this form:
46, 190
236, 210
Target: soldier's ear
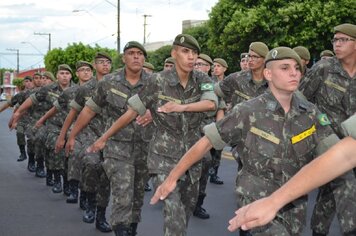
267, 73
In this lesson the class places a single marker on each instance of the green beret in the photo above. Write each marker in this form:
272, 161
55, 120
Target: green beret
244, 55
83, 63
49, 75
303, 52
188, 41
102, 55
327, 53
148, 65
170, 60
65, 67
28, 78
348, 29
281, 53
259, 48
134, 44
221, 62
205, 58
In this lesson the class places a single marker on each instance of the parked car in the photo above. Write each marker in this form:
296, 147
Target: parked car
3, 97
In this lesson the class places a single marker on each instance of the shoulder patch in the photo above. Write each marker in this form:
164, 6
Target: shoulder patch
207, 86
323, 119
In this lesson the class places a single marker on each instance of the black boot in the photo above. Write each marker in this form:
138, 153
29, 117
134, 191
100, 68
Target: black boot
73, 188
147, 188
244, 233
23, 155
66, 190
351, 233
40, 172
49, 178
134, 229
31, 162
199, 211
83, 201
89, 213
57, 186
121, 230
101, 224
318, 234
214, 178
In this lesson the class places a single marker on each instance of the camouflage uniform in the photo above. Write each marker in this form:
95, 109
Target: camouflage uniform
87, 167
273, 146
330, 87
175, 133
125, 154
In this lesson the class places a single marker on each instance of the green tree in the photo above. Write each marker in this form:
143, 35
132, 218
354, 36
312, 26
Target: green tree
233, 25
157, 57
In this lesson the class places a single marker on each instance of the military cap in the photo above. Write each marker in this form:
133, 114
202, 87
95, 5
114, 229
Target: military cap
27, 77
37, 73
281, 53
303, 52
49, 75
169, 60
188, 41
259, 48
221, 62
134, 44
327, 53
83, 63
102, 55
205, 58
348, 29
65, 67
148, 65
244, 55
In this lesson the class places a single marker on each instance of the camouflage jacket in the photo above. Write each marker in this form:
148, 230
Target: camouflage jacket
239, 87
110, 99
330, 87
175, 132
272, 145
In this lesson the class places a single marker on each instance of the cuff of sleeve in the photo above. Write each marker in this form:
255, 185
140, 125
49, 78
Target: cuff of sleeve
57, 106
33, 98
218, 90
73, 104
93, 106
135, 103
326, 143
349, 126
211, 132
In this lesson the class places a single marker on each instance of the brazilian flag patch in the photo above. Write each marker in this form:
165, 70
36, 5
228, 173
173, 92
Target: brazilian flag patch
323, 119
207, 86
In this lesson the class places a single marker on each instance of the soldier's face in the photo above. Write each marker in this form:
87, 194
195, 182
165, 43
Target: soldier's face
168, 66
283, 75
84, 73
28, 84
202, 66
344, 46
64, 77
244, 63
133, 59
219, 70
185, 58
37, 81
102, 66
255, 61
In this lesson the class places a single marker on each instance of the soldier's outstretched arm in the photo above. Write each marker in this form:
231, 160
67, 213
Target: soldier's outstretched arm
194, 154
333, 163
50, 113
67, 123
20, 111
120, 123
4, 107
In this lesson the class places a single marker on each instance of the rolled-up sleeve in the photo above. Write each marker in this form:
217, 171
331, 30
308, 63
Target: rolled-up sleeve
93, 106
73, 104
212, 133
135, 103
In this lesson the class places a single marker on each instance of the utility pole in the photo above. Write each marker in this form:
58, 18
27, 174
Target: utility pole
118, 27
144, 27
49, 39
18, 58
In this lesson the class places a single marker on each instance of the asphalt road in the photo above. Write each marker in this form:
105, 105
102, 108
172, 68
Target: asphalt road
28, 207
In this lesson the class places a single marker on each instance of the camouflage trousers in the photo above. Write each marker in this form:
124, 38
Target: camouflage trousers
30, 133
55, 161
74, 164
20, 134
203, 180
94, 179
338, 196
40, 139
215, 157
179, 205
127, 180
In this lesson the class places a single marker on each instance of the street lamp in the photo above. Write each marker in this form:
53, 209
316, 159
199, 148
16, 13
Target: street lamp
33, 47
18, 57
144, 27
49, 39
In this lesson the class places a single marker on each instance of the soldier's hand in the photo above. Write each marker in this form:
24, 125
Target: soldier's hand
97, 146
13, 125
171, 107
145, 119
38, 124
10, 122
59, 144
163, 190
70, 146
257, 213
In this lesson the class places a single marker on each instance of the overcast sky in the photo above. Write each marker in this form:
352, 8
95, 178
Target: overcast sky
89, 22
